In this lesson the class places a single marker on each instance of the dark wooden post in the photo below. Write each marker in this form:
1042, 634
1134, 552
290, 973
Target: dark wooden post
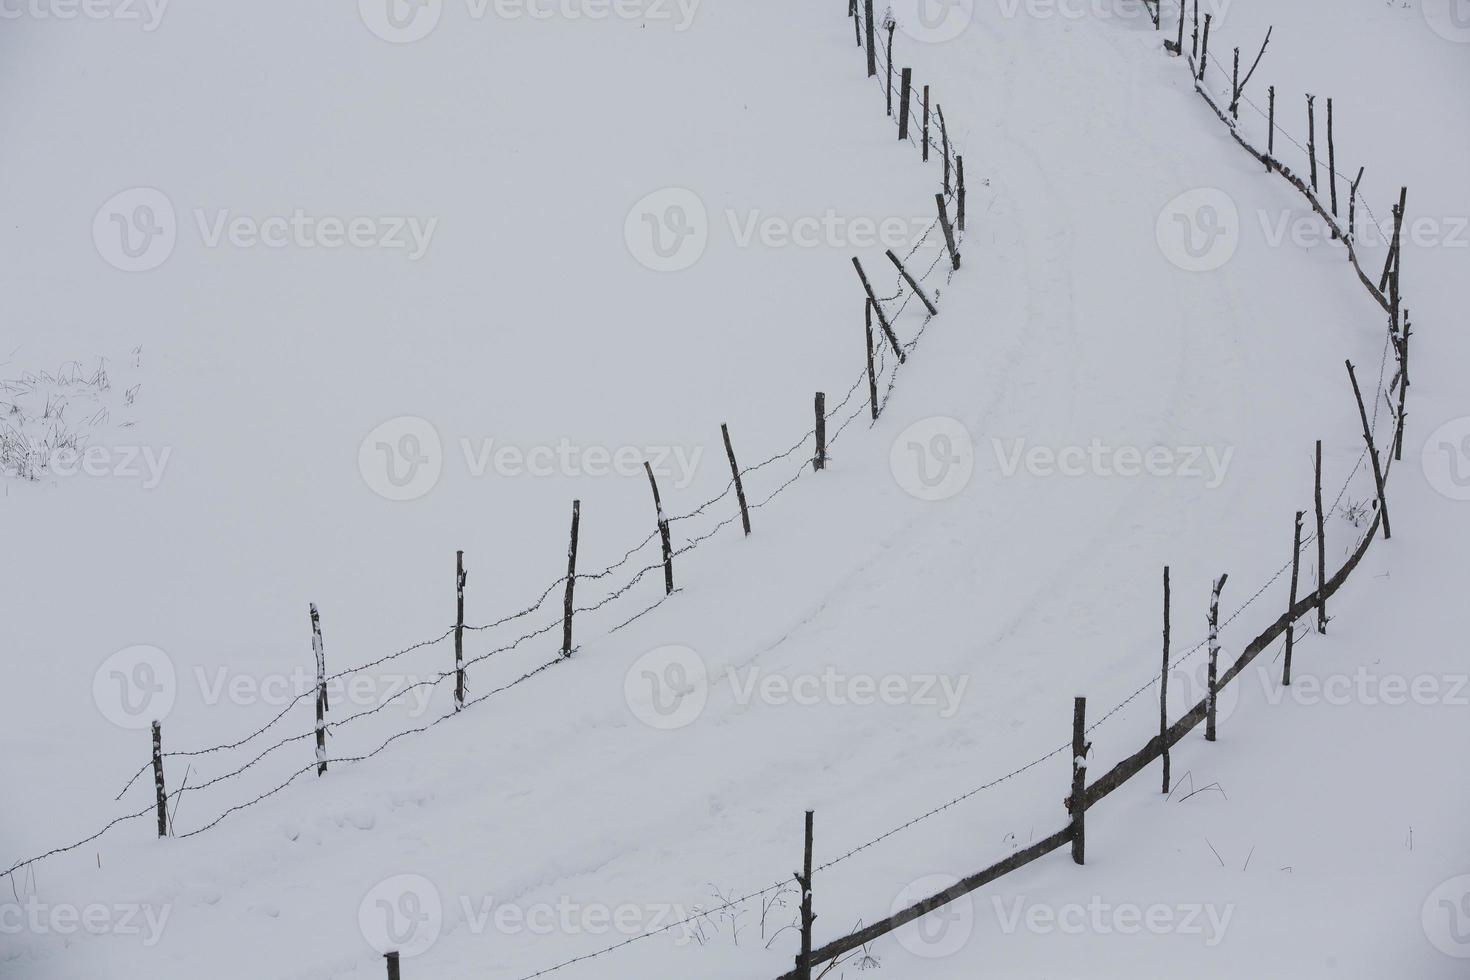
1214, 671
1177, 48
1077, 802
1194, 36
1296, 558
944, 143
1396, 256
882, 317
1353, 206
663, 531
959, 200
1235, 87
1312, 137
459, 579
933, 310
319, 648
1398, 439
954, 255
392, 959
872, 375
857, 22
872, 51
926, 124
889, 87
804, 879
1393, 246
1204, 51
1331, 162
1164, 685
566, 615
160, 796
905, 83
1271, 123
819, 461
1321, 550
1372, 452
735, 475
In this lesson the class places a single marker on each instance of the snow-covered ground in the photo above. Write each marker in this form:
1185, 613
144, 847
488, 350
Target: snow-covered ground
522, 151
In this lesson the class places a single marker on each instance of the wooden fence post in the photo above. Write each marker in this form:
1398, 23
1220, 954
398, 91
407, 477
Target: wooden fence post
320, 650
1372, 452
804, 878
1210, 693
1077, 802
663, 531
889, 87
1312, 137
954, 255
1204, 51
1321, 550
1296, 556
878, 307
460, 575
905, 83
1176, 47
160, 796
1271, 123
933, 310
925, 141
944, 143
872, 376
959, 200
1353, 206
1194, 36
872, 51
819, 461
392, 959
1398, 440
1164, 686
1235, 87
857, 22
1331, 162
735, 475
566, 615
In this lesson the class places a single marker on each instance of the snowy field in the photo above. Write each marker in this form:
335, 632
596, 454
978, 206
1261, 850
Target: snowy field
334, 293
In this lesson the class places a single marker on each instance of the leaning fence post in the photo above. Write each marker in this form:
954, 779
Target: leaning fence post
959, 199
663, 531
566, 615
1353, 207
872, 52
158, 791
804, 878
1321, 550
1204, 51
882, 317
819, 461
392, 959
735, 475
318, 648
954, 255
459, 579
872, 375
889, 87
1077, 802
1296, 557
1211, 692
1235, 87
926, 124
1271, 125
1312, 137
905, 83
933, 310
944, 143
1164, 686
1398, 440
1331, 163
1372, 452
